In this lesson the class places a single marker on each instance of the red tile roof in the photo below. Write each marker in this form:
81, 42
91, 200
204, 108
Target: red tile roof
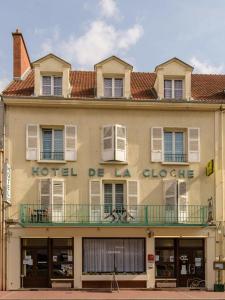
204, 87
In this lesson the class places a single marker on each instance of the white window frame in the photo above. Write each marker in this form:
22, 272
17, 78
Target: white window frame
52, 85
173, 131
113, 86
173, 87
53, 140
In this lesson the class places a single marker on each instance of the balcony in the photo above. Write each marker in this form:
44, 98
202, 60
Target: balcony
106, 215
178, 158
52, 155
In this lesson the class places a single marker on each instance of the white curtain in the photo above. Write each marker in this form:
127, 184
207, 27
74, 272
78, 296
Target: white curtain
106, 255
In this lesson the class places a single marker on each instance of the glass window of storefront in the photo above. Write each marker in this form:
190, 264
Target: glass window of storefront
46, 259
180, 259
165, 264
119, 255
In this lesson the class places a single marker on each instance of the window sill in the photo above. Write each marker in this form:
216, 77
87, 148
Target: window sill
113, 163
172, 163
43, 161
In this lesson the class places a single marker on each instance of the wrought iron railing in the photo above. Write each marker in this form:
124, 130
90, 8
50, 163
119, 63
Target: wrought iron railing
175, 157
106, 215
52, 155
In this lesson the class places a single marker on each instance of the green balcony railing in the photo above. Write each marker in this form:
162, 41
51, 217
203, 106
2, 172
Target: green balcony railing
106, 215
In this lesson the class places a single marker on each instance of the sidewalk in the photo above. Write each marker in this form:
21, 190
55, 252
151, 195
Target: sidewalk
122, 295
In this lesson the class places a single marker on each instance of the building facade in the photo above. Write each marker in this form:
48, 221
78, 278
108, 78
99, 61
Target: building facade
108, 174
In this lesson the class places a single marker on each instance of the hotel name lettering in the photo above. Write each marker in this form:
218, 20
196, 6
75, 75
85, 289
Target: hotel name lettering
100, 172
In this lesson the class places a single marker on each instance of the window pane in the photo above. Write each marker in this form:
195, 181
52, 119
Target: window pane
47, 143
58, 144
62, 242
108, 87
178, 89
118, 84
179, 146
35, 242
168, 146
109, 255
119, 195
46, 85
107, 197
191, 243
58, 86
164, 242
168, 89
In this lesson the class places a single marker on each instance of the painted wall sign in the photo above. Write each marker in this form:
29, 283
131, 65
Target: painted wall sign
37, 171
180, 173
7, 183
100, 172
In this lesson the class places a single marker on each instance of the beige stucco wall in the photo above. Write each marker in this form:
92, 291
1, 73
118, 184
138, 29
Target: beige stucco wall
89, 122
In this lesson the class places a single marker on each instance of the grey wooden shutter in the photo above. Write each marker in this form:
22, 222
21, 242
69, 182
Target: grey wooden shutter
170, 199
108, 151
32, 141
182, 201
194, 144
132, 200
57, 200
120, 143
95, 200
45, 193
156, 144
70, 142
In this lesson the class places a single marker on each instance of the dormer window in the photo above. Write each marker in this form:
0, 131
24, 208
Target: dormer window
113, 87
51, 85
173, 89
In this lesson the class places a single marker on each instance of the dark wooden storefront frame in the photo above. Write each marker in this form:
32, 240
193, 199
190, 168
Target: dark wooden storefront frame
177, 250
50, 261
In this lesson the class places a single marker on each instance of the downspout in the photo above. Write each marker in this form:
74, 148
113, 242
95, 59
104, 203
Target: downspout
221, 222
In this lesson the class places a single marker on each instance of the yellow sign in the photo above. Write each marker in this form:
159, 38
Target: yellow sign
210, 168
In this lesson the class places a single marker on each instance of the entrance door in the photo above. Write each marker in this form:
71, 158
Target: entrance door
35, 268
190, 265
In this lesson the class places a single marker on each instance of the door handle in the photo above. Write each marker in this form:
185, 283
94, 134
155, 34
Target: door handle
189, 269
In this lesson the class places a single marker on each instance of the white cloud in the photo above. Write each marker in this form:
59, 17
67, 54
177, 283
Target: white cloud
3, 83
205, 67
98, 42
108, 8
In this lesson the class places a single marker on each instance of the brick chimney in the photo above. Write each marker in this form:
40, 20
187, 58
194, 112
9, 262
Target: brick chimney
21, 60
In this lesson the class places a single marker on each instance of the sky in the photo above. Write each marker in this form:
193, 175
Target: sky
144, 33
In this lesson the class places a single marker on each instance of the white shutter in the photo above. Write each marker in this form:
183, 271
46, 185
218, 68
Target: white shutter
108, 150
132, 200
45, 193
120, 143
170, 200
182, 201
70, 142
57, 200
156, 144
95, 200
32, 141
194, 144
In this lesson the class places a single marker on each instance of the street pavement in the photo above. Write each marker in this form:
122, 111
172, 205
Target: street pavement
117, 295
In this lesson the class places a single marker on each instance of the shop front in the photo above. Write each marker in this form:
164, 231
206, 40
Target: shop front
178, 261
46, 262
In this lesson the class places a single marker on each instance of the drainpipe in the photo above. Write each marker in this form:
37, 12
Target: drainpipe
220, 231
